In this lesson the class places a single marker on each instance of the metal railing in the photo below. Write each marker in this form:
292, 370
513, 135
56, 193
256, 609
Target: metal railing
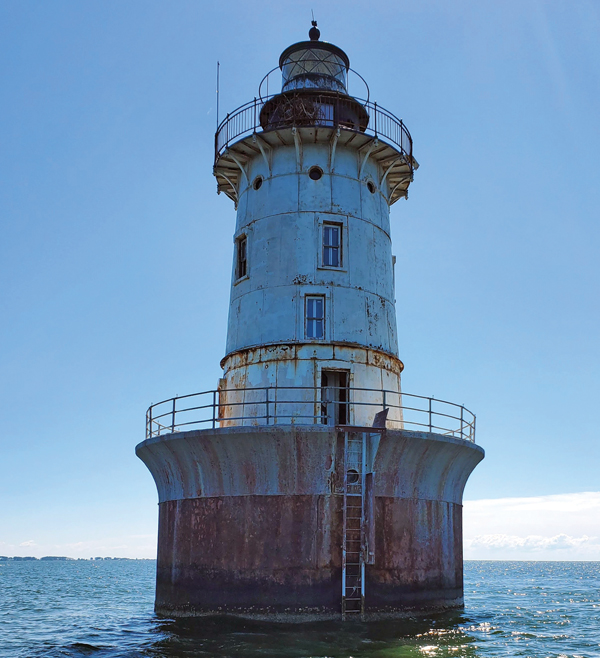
246, 120
301, 405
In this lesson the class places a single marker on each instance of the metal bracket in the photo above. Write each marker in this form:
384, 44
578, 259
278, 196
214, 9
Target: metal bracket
387, 171
298, 143
371, 146
334, 141
265, 149
233, 187
402, 180
229, 154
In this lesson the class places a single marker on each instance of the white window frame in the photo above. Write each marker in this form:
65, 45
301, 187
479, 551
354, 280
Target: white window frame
339, 247
311, 322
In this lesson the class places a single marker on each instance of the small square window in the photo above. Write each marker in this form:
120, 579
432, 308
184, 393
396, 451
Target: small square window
332, 245
315, 316
241, 268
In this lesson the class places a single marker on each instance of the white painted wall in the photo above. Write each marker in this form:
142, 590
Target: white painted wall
282, 222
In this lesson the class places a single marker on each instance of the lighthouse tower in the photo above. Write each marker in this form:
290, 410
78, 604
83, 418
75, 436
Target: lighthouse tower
307, 484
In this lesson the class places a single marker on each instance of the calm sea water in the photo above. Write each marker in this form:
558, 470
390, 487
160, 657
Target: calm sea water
104, 609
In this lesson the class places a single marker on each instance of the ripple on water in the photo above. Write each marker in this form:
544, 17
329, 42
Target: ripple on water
104, 609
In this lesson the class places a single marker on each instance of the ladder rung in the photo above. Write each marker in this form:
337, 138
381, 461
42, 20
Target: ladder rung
352, 601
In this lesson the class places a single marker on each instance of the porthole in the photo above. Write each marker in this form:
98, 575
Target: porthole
315, 173
371, 187
352, 476
258, 181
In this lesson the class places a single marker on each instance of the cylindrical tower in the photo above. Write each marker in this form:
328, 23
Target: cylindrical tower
312, 293
318, 488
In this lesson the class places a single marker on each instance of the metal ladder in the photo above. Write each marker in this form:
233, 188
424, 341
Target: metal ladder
353, 562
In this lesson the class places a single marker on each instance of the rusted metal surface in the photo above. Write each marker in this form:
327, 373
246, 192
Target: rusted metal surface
323, 352
249, 555
418, 549
241, 462
251, 521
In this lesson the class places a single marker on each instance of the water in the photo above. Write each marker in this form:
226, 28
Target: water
104, 610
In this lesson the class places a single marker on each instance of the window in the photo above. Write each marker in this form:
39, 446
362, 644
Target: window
241, 268
332, 234
315, 317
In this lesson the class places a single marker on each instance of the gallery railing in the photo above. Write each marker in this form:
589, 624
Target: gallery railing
298, 405
306, 109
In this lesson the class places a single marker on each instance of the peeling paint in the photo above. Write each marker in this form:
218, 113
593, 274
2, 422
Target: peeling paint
284, 484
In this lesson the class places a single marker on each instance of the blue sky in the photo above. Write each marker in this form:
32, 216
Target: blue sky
115, 250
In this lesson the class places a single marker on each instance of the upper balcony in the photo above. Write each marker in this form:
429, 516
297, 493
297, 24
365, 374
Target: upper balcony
319, 116
314, 106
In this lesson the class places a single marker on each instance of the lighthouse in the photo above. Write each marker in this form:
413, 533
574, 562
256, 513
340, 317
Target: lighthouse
308, 484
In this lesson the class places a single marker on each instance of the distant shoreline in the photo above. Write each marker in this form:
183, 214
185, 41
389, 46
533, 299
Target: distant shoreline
62, 558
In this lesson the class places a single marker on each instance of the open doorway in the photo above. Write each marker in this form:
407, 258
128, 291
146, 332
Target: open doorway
334, 397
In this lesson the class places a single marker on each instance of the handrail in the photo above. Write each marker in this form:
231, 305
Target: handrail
264, 83
307, 406
245, 120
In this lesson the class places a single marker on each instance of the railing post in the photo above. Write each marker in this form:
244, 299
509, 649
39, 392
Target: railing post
214, 404
227, 132
173, 416
267, 404
461, 422
149, 423
254, 124
375, 106
430, 424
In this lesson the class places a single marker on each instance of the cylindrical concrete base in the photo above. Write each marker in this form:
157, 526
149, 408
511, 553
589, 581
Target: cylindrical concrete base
251, 522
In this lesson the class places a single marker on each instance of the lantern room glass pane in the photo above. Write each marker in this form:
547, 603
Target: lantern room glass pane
314, 68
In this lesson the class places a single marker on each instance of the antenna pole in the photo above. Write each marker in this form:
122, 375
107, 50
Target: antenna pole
218, 67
